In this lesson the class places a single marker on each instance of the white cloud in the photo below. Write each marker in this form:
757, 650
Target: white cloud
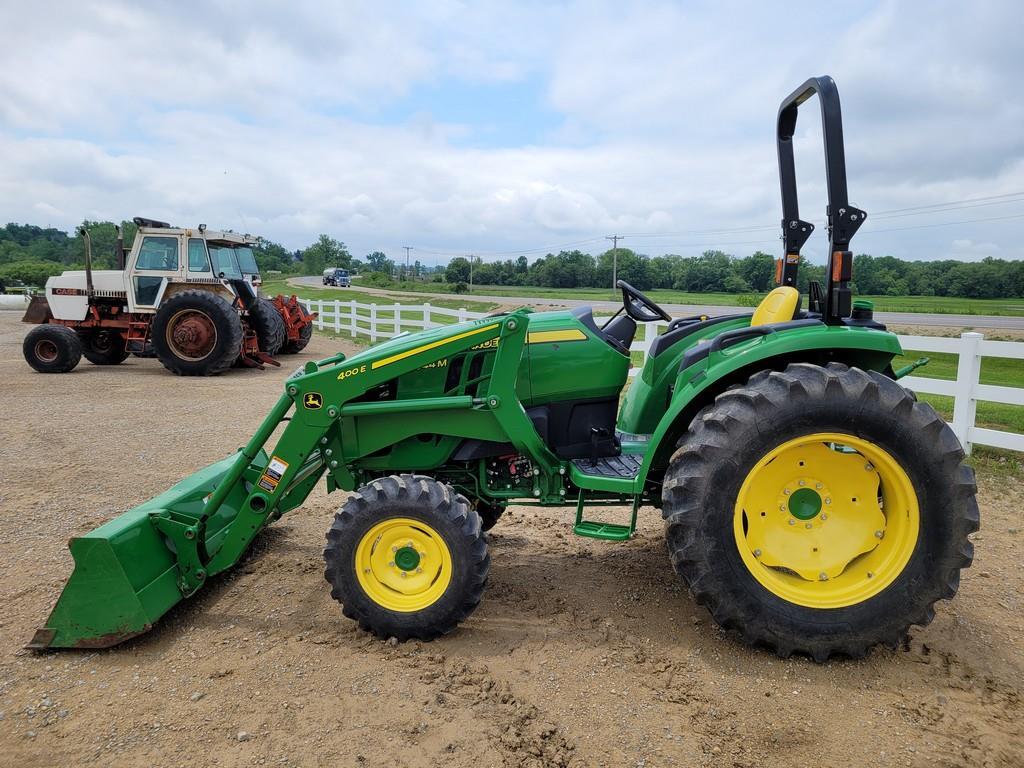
269, 119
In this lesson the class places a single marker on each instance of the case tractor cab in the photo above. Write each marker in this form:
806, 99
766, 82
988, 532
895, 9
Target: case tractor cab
810, 502
179, 292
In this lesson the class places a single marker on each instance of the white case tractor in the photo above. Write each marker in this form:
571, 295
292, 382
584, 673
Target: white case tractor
179, 293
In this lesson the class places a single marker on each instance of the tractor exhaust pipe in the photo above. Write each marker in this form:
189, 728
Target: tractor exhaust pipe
119, 248
84, 232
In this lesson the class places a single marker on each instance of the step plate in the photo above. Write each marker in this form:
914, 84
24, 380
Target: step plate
607, 531
625, 467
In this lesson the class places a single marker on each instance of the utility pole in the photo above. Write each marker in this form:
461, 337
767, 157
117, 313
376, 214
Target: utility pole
615, 258
407, 249
471, 260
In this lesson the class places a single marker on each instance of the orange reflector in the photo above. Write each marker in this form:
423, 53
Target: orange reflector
778, 271
837, 266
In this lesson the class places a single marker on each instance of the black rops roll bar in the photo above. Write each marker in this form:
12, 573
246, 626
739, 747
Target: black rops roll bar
843, 218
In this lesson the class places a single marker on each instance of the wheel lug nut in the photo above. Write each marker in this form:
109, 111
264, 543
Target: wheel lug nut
757, 553
869, 467
819, 486
366, 571
828, 500
782, 507
394, 549
391, 563
808, 525
419, 570
824, 516
404, 574
792, 521
786, 491
822, 576
879, 534
802, 483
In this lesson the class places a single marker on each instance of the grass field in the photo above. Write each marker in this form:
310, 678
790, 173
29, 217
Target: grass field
929, 304
994, 370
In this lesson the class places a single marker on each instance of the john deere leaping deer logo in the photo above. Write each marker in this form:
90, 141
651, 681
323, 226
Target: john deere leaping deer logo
313, 401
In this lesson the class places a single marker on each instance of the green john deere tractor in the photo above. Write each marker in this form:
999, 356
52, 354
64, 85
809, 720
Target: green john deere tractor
809, 501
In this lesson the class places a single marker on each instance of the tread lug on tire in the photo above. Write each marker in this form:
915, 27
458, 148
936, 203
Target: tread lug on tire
710, 516
434, 507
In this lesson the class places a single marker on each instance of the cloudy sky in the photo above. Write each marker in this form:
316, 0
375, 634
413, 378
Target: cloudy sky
507, 128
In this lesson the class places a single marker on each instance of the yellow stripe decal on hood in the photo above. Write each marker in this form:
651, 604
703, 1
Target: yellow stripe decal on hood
539, 337
432, 345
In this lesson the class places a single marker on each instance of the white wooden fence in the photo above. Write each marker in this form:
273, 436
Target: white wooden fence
382, 321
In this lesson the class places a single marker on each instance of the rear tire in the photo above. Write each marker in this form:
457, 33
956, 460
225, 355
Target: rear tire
103, 347
915, 491
428, 580
196, 333
52, 348
269, 326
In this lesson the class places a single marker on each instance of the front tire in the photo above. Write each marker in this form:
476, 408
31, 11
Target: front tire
819, 510
406, 558
196, 333
52, 348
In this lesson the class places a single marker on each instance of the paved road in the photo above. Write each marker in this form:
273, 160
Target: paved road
988, 322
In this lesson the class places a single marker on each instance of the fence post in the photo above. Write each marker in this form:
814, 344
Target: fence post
968, 373
462, 315
373, 323
337, 316
398, 319
426, 316
320, 314
355, 329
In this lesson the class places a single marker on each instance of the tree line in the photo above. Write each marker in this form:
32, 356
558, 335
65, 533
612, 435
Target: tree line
31, 254
717, 271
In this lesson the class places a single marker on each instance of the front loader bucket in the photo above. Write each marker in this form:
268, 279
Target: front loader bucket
126, 572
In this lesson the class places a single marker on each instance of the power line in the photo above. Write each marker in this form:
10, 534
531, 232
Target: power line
615, 258
894, 213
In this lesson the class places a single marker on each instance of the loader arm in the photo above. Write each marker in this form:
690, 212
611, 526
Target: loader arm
153, 556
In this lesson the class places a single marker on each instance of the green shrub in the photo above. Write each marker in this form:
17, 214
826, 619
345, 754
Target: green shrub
31, 272
459, 287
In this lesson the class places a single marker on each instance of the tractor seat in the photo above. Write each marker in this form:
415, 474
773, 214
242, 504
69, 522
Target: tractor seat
779, 306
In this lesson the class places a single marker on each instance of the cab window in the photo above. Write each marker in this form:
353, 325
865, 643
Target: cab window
160, 253
247, 261
198, 259
224, 262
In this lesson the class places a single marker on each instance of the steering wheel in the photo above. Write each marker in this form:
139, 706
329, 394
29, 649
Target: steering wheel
639, 307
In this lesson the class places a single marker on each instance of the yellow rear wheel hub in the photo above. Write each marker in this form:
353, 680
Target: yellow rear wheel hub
403, 564
826, 520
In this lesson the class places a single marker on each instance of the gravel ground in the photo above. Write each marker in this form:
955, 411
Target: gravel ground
583, 653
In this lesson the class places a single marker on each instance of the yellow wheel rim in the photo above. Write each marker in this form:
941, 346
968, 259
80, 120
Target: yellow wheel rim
826, 520
403, 564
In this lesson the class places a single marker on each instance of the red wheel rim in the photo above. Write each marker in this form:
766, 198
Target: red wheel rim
191, 335
46, 350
